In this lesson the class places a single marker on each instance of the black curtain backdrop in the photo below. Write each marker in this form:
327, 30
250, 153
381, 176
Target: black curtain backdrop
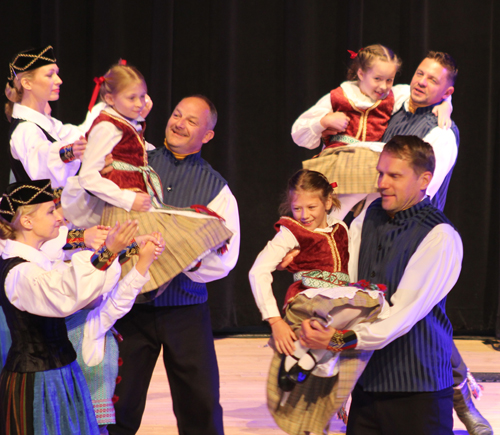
263, 62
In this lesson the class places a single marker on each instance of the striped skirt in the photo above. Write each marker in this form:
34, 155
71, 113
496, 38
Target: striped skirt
186, 238
311, 405
54, 402
354, 169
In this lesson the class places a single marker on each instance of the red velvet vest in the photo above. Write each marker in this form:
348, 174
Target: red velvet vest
366, 125
318, 251
131, 149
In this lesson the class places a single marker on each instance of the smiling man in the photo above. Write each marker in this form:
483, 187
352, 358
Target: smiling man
405, 242
432, 82
178, 321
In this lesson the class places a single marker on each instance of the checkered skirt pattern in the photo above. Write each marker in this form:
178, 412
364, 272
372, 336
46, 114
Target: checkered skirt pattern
186, 238
354, 169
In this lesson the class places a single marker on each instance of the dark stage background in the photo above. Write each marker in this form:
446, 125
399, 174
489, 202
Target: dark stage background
263, 62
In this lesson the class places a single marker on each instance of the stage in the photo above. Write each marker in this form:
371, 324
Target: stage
243, 364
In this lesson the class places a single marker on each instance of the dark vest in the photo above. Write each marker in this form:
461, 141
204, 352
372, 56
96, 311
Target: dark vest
17, 167
38, 343
185, 182
420, 359
420, 124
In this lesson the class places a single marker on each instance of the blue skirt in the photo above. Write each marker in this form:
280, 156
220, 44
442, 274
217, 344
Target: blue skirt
58, 403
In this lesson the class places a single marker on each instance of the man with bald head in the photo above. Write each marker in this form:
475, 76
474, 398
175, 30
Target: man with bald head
178, 320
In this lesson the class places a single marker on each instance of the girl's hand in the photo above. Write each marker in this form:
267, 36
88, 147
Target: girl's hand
120, 236
94, 237
284, 337
337, 121
142, 202
443, 112
79, 147
147, 108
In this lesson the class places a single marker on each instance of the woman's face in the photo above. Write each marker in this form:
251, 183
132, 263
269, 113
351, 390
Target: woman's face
45, 222
44, 83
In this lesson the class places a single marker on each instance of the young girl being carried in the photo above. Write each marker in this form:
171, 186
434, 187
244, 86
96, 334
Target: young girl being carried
350, 118
133, 190
303, 391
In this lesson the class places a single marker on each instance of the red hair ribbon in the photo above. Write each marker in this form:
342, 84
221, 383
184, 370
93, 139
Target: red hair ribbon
354, 54
122, 62
98, 82
334, 185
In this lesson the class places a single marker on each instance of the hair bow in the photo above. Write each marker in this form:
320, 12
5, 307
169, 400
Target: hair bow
353, 53
98, 82
334, 185
122, 62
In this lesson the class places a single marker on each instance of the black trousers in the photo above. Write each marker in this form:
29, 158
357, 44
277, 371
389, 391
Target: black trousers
185, 333
429, 413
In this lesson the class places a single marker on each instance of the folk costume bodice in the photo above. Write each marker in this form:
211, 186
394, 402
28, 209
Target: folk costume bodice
325, 251
366, 125
131, 149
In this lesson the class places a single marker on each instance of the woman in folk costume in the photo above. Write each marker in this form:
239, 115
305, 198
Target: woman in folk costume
133, 190
42, 389
350, 122
306, 387
40, 145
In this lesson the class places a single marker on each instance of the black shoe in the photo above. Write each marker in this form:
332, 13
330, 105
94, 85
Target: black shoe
284, 382
475, 423
298, 374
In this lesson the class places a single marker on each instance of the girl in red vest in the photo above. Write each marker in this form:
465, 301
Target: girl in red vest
321, 290
350, 121
133, 190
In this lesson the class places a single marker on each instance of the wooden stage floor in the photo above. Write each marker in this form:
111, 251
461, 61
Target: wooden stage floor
243, 364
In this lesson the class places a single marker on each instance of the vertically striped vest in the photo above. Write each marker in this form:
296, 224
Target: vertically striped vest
185, 182
420, 359
420, 124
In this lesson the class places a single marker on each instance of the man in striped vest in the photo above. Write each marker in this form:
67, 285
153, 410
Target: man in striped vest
433, 81
405, 242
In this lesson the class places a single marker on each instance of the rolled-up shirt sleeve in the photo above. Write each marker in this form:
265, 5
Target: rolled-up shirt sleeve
431, 273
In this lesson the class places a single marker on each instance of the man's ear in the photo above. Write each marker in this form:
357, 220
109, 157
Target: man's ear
209, 135
448, 92
425, 179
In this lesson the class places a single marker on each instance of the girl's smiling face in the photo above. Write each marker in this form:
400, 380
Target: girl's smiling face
377, 81
130, 101
309, 209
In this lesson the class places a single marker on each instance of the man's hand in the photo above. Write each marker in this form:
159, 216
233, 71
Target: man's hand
287, 259
337, 121
108, 161
314, 335
79, 147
